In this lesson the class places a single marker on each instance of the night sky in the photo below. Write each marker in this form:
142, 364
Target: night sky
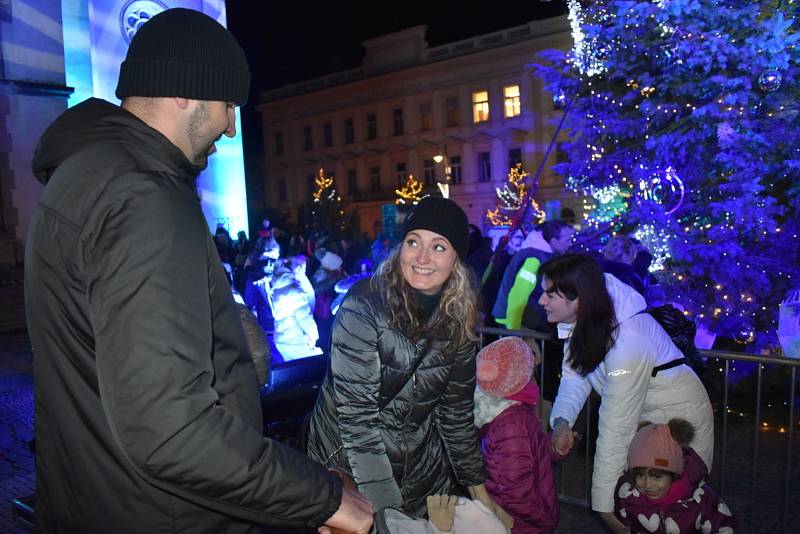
290, 41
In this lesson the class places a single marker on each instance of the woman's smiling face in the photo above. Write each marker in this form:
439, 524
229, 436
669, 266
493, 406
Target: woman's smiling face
426, 260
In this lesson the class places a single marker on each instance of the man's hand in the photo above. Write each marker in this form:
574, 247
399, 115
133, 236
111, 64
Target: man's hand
480, 493
442, 511
563, 439
353, 516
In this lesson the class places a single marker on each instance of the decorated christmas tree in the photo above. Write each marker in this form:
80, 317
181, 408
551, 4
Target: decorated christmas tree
514, 200
684, 115
411, 192
327, 210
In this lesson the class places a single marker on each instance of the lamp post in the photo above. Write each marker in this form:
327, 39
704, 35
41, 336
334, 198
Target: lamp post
444, 187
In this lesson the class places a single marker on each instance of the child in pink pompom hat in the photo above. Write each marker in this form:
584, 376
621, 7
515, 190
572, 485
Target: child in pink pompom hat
664, 489
516, 451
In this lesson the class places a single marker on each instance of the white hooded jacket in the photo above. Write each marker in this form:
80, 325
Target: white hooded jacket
630, 394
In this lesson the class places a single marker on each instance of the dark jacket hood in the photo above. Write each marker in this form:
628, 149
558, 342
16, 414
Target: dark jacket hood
98, 121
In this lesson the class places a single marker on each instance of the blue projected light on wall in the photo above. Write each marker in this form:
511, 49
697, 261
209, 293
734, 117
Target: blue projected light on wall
96, 36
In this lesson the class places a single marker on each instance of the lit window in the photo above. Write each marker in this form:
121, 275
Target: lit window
511, 100
480, 106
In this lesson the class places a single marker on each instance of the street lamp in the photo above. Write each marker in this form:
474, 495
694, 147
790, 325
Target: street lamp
444, 187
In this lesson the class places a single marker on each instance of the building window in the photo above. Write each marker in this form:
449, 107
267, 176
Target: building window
429, 171
425, 116
484, 167
397, 116
514, 157
352, 182
511, 100
451, 111
307, 141
282, 196
327, 134
400, 172
311, 181
375, 178
455, 169
480, 106
372, 126
349, 131
278, 143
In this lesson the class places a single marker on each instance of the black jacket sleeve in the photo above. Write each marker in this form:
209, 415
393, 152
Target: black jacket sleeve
454, 416
150, 285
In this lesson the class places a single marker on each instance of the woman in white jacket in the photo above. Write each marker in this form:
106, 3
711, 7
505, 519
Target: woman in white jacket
618, 349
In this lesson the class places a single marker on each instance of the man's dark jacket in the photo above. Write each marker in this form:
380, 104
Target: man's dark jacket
147, 410
401, 432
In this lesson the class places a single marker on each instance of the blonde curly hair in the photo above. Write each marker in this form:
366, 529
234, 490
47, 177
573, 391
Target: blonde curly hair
456, 314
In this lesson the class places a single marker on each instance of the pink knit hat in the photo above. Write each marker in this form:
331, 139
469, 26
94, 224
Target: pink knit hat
654, 446
505, 367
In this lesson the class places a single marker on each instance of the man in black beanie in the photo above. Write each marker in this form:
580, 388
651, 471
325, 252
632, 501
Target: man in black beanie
147, 410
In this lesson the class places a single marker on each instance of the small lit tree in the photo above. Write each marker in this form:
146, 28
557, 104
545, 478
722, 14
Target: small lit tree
410, 193
513, 199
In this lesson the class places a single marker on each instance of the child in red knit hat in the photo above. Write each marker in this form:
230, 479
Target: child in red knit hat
516, 451
664, 489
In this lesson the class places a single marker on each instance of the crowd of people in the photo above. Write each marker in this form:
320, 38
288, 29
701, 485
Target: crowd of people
147, 371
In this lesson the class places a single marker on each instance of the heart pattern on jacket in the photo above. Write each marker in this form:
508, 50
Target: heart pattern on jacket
723, 509
704, 527
671, 527
650, 523
626, 490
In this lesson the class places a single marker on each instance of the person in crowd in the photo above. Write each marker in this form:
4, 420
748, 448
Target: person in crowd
629, 360
395, 410
653, 290
381, 248
516, 451
664, 488
242, 248
296, 332
493, 275
324, 282
224, 244
517, 303
517, 299
618, 257
147, 410
479, 253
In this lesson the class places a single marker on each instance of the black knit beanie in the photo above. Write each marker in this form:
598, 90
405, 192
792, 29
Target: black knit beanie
185, 53
443, 216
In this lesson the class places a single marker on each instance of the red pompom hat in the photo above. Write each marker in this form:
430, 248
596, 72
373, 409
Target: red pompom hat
505, 367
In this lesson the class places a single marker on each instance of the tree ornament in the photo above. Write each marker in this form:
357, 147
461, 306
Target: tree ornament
663, 187
511, 198
770, 81
745, 335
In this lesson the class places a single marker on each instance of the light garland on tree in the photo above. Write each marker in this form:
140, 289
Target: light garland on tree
657, 243
323, 184
410, 192
513, 197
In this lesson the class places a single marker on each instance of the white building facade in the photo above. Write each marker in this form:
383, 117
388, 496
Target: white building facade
477, 102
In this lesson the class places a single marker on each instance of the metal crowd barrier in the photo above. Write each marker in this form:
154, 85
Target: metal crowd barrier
756, 499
